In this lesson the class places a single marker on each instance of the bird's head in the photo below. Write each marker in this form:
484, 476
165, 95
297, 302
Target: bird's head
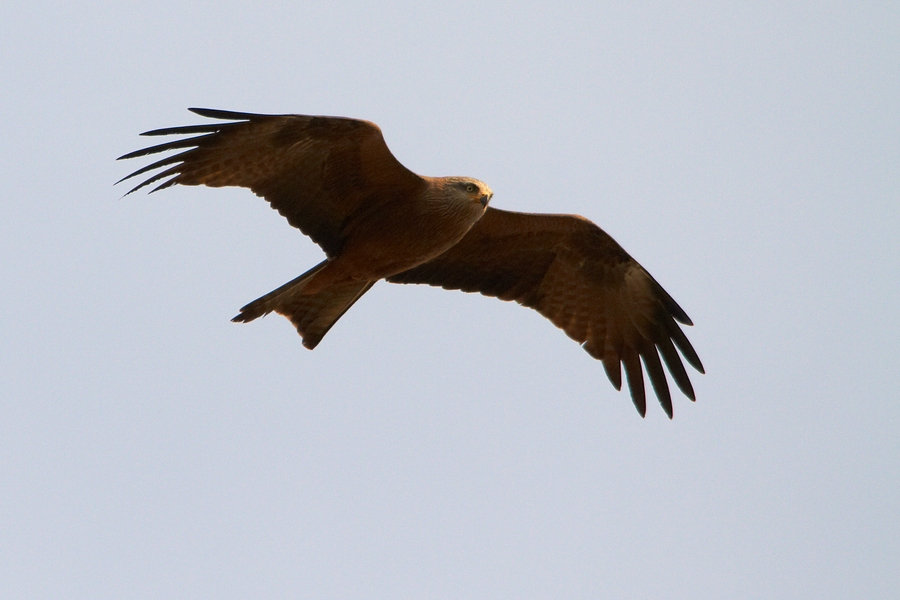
471, 189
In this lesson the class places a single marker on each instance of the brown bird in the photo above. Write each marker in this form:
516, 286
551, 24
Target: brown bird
335, 180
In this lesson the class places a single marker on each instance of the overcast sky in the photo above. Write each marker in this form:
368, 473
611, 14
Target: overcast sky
440, 444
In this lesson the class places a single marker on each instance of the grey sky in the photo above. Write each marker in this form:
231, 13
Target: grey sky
439, 444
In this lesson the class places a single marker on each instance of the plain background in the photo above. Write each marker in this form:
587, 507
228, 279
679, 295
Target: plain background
438, 444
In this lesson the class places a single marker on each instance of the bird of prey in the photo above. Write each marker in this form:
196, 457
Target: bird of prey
335, 180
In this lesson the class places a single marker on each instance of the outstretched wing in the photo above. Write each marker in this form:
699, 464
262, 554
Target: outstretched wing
318, 172
576, 275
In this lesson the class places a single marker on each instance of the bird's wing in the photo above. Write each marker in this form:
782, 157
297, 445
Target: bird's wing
318, 172
573, 273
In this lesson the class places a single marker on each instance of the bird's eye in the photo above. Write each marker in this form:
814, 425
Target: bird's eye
470, 187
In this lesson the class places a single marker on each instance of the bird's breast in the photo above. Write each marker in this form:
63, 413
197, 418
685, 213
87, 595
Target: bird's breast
391, 241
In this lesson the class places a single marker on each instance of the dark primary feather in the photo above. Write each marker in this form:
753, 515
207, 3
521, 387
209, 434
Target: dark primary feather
315, 171
574, 274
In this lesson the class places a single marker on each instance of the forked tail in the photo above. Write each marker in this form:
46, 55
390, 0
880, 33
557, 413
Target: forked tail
312, 314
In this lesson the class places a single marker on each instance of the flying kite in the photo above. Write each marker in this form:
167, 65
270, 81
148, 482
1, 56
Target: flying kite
335, 180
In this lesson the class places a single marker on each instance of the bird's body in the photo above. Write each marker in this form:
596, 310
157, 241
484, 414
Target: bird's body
335, 179
393, 236
399, 235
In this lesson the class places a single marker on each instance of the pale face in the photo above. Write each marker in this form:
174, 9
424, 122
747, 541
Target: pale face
473, 190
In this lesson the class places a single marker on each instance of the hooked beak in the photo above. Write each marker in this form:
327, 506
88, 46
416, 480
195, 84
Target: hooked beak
485, 199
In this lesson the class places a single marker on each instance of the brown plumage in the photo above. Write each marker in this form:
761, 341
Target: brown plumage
335, 180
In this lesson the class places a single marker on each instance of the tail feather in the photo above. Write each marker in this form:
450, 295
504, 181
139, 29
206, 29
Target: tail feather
313, 314
268, 303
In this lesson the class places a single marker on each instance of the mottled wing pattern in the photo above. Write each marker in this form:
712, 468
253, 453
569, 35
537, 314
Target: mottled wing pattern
573, 273
318, 172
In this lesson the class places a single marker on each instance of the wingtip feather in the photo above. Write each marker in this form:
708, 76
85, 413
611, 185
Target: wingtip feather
635, 377
228, 115
657, 377
613, 367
